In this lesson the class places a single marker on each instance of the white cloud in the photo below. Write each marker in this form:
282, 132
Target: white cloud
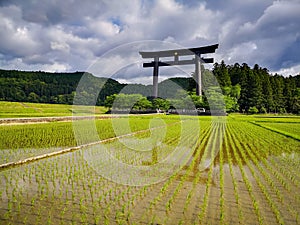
16, 37
21, 64
102, 28
60, 46
71, 35
274, 32
295, 70
56, 67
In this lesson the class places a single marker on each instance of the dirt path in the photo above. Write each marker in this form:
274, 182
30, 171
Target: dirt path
32, 120
27, 120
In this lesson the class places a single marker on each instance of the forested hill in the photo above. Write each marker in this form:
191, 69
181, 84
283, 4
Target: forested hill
259, 88
47, 87
242, 86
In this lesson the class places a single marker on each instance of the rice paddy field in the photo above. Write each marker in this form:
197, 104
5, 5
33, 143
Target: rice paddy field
25, 109
158, 169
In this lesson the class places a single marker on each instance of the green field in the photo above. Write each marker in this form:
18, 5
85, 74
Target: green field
21, 109
176, 170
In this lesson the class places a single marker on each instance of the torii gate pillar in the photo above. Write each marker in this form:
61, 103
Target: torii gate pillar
155, 77
198, 75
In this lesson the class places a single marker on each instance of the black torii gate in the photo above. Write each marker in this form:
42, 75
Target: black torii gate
176, 53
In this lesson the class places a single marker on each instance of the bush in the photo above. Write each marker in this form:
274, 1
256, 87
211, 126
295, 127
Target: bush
253, 110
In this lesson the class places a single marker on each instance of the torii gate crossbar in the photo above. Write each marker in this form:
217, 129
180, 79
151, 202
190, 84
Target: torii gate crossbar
197, 52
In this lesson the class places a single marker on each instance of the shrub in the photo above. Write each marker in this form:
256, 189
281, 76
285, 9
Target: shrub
253, 110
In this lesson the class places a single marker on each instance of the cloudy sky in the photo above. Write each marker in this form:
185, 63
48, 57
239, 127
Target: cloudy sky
72, 35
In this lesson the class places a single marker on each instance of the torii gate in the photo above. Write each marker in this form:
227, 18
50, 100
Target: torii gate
176, 53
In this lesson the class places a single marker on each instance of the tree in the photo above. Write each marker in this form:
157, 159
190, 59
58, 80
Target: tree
197, 100
215, 99
127, 101
231, 104
159, 103
33, 97
142, 104
235, 74
110, 100
253, 110
289, 93
296, 102
277, 84
235, 91
243, 81
267, 92
222, 75
254, 88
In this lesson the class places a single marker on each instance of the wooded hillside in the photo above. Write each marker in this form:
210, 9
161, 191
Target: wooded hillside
244, 88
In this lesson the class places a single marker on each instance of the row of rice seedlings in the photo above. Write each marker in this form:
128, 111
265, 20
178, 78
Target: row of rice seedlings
284, 173
235, 185
126, 213
274, 188
222, 199
195, 142
36, 136
212, 146
43, 188
108, 199
164, 189
60, 134
203, 141
118, 202
284, 165
274, 139
255, 158
269, 199
282, 129
13, 155
187, 140
280, 178
273, 167
221, 164
246, 180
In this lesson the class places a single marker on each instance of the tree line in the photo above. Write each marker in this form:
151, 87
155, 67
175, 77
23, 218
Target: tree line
239, 88
257, 90
232, 88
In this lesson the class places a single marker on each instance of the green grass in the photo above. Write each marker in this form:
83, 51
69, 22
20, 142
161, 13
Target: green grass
22, 109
